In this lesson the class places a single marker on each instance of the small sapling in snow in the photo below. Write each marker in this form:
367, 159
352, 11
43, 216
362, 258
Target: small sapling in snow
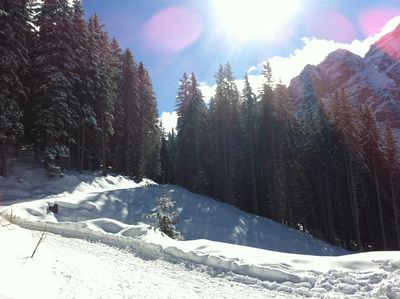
166, 217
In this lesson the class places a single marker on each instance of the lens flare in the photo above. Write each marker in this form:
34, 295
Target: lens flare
172, 30
372, 20
254, 19
332, 25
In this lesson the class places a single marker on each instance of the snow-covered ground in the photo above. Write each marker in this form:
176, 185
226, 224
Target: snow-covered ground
100, 244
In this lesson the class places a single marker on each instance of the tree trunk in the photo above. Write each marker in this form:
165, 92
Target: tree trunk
353, 201
380, 207
82, 149
3, 166
395, 211
253, 175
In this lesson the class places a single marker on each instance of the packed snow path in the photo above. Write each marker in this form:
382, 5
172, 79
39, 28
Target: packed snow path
73, 268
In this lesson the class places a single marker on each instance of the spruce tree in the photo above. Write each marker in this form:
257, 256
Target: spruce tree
369, 143
131, 114
149, 127
225, 149
53, 98
117, 140
14, 35
83, 84
103, 94
191, 137
392, 169
268, 147
250, 127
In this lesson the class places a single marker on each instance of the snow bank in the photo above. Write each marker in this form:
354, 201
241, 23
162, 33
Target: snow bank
317, 273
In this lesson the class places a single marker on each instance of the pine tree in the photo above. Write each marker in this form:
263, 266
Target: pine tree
103, 94
191, 137
343, 119
14, 36
131, 113
249, 119
268, 147
369, 143
166, 218
183, 94
392, 168
150, 132
225, 149
119, 113
53, 98
82, 86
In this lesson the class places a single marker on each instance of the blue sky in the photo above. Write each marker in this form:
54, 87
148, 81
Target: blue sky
173, 36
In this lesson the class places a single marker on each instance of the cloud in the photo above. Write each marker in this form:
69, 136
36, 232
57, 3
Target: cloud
207, 91
314, 51
168, 120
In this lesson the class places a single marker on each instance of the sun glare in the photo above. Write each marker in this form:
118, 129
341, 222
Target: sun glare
254, 19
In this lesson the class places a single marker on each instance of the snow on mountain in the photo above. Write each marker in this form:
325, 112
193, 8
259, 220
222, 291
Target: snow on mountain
373, 80
219, 251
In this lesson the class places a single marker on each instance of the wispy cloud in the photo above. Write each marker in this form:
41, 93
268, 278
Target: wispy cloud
313, 51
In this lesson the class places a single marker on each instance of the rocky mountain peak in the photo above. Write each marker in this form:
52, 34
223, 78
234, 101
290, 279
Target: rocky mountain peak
373, 80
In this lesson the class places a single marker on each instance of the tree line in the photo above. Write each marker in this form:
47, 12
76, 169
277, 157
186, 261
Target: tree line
71, 94
324, 170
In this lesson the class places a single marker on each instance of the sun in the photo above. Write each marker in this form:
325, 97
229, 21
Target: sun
254, 19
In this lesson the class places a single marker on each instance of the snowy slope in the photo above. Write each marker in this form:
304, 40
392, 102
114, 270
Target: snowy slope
88, 197
111, 210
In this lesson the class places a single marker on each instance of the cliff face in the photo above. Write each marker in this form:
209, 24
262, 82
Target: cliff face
373, 80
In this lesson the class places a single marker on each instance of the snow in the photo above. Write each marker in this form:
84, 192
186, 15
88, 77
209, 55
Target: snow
100, 245
75, 268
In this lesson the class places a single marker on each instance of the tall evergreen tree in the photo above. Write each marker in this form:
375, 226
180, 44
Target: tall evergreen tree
225, 149
250, 127
268, 147
14, 35
150, 132
82, 85
369, 142
103, 94
392, 169
117, 141
131, 113
53, 98
191, 137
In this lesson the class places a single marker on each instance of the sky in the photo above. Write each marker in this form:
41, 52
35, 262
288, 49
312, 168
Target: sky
175, 36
